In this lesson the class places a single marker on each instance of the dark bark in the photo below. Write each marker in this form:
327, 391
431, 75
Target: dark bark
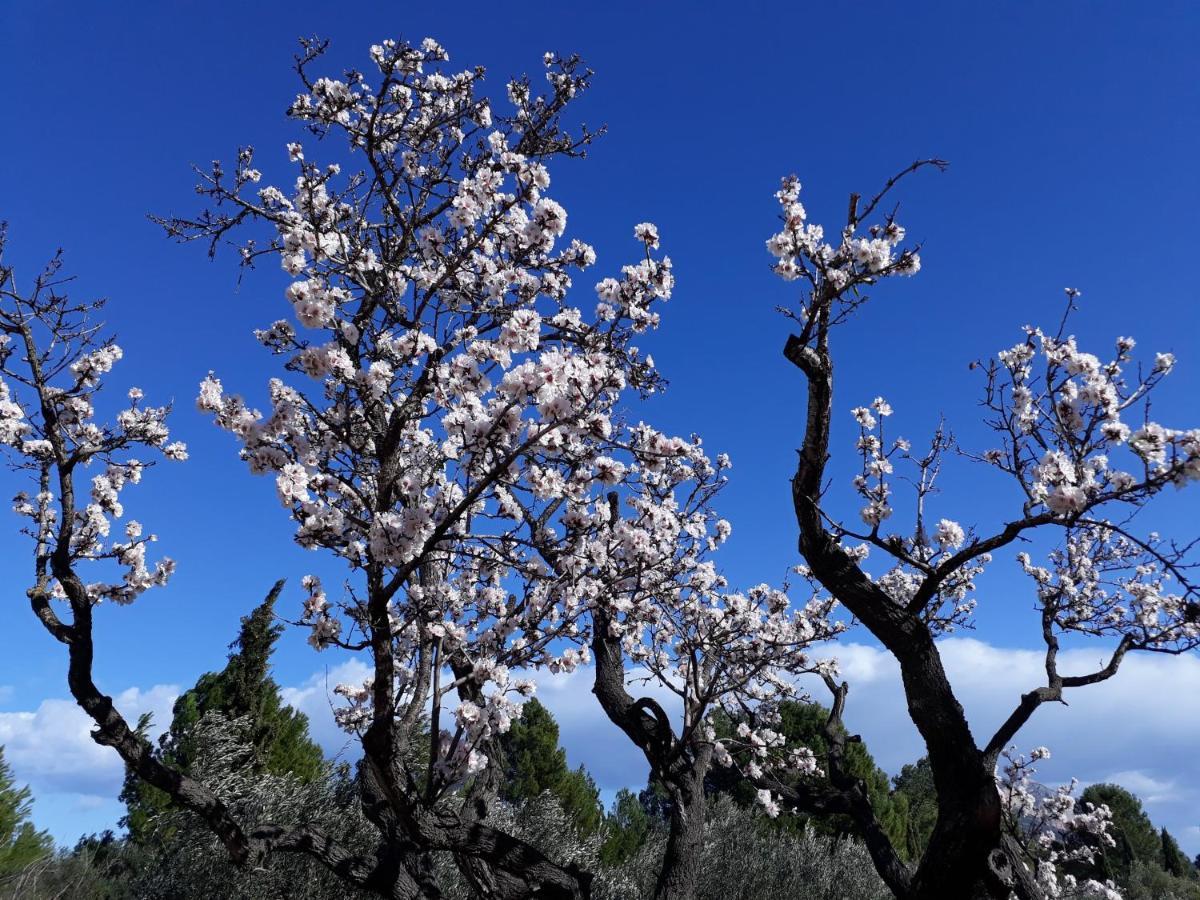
968, 855
677, 880
680, 768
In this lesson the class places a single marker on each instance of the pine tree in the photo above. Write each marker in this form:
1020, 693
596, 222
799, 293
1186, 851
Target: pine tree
244, 688
579, 796
1137, 840
628, 827
534, 762
20, 842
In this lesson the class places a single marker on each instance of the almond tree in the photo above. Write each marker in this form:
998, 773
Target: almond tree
52, 362
662, 614
1073, 435
448, 420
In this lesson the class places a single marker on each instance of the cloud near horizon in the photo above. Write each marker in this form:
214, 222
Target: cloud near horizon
1140, 729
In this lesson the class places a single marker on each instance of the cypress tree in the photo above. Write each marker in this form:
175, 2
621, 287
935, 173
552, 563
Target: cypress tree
244, 688
1174, 860
913, 789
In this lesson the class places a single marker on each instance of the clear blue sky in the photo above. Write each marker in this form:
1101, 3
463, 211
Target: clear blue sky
1072, 130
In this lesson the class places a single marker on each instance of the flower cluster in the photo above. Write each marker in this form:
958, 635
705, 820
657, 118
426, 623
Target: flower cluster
1062, 416
59, 439
451, 429
871, 483
1056, 829
802, 252
920, 553
1104, 582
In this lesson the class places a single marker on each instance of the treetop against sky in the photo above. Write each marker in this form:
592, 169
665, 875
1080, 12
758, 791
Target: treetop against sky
1070, 132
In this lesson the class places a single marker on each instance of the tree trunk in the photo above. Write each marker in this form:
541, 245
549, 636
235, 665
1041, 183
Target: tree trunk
685, 842
969, 855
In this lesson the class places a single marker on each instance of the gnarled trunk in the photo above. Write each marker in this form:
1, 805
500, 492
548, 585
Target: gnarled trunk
680, 871
969, 855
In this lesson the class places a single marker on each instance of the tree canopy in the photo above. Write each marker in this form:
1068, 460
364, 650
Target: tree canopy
455, 427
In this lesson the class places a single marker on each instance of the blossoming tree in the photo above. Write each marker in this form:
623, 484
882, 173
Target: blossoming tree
661, 613
449, 426
52, 361
1074, 437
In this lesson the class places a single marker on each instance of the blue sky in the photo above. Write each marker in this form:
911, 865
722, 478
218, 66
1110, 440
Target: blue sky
1072, 132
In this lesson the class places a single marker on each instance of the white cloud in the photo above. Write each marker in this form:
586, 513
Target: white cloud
52, 750
1140, 729
315, 698
74, 780
1148, 788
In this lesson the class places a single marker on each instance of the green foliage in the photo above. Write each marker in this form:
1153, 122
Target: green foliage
744, 857
628, 827
20, 842
534, 763
581, 800
656, 802
914, 791
1150, 882
98, 868
533, 760
542, 822
741, 860
1173, 859
1137, 840
803, 725
244, 689
185, 861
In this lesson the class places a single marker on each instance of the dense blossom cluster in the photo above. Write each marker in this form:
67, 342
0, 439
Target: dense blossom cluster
453, 432
661, 595
1062, 415
802, 252
1054, 828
